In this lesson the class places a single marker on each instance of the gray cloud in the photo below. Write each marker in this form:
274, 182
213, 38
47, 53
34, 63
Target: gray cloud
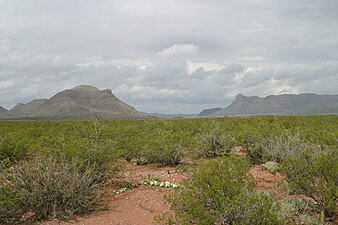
168, 56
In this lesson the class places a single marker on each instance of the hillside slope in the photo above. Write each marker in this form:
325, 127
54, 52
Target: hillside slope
81, 102
288, 104
207, 112
2, 109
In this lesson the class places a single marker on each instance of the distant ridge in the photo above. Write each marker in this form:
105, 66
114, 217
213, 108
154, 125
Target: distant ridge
26, 109
2, 109
80, 102
287, 104
170, 115
207, 112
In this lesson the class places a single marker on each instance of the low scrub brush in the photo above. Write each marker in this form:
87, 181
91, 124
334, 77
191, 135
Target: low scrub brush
54, 189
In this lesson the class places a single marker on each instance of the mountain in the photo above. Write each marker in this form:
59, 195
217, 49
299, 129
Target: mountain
81, 102
207, 112
287, 104
2, 109
23, 110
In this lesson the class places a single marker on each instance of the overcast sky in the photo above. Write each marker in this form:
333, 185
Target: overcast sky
169, 56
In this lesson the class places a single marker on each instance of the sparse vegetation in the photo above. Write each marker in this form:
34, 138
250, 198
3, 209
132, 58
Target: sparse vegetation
213, 142
14, 146
149, 181
221, 192
164, 147
156, 182
85, 154
51, 189
277, 149
273, 167
10, 201
316, 176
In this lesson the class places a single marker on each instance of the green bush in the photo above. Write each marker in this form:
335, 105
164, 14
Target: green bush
252, 208
316, 176
53, 189
88, 147
9, 203
221, 192
213, 142
272, 167
278, 148
163, 147
13, 147
298, 211
130, 142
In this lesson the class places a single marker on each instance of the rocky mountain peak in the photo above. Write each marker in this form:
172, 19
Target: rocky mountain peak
83, 102
286, 104
85, 88
240, 97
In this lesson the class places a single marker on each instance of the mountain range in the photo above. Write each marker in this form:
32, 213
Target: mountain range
207, 112
287, 104
81, 102
2, 110
88, 102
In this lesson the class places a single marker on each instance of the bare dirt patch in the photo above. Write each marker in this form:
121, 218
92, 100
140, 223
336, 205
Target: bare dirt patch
266, 181
139, 206
136, 206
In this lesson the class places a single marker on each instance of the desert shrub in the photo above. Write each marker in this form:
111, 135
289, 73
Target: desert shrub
53, 189
300, 211
317, 219
13, 147
9, 203
245, 208
130, 142
163, 147
213, 142
167, 218
316, 176
221, 192
88, 147
98, 155
279, 148
288, 209
272, 167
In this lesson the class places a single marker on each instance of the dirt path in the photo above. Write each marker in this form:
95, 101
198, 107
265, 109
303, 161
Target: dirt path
133, 207
139, 206
136, 206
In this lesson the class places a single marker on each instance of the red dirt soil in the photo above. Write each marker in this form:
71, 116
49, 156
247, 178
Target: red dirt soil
136, 206
139, 206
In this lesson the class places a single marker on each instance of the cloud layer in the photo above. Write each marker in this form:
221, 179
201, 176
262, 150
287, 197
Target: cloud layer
168, 56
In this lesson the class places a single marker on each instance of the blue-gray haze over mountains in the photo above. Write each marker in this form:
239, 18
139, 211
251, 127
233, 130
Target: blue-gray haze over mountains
168, 56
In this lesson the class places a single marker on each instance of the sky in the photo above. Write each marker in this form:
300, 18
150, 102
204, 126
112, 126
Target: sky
168, 56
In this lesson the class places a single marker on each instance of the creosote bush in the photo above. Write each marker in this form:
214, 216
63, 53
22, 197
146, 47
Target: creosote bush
164, 147
53, 189
278, 148
272, 167
13, 147
300, 211
89, 148
9, 203
316, 176
213, 142
221, 192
